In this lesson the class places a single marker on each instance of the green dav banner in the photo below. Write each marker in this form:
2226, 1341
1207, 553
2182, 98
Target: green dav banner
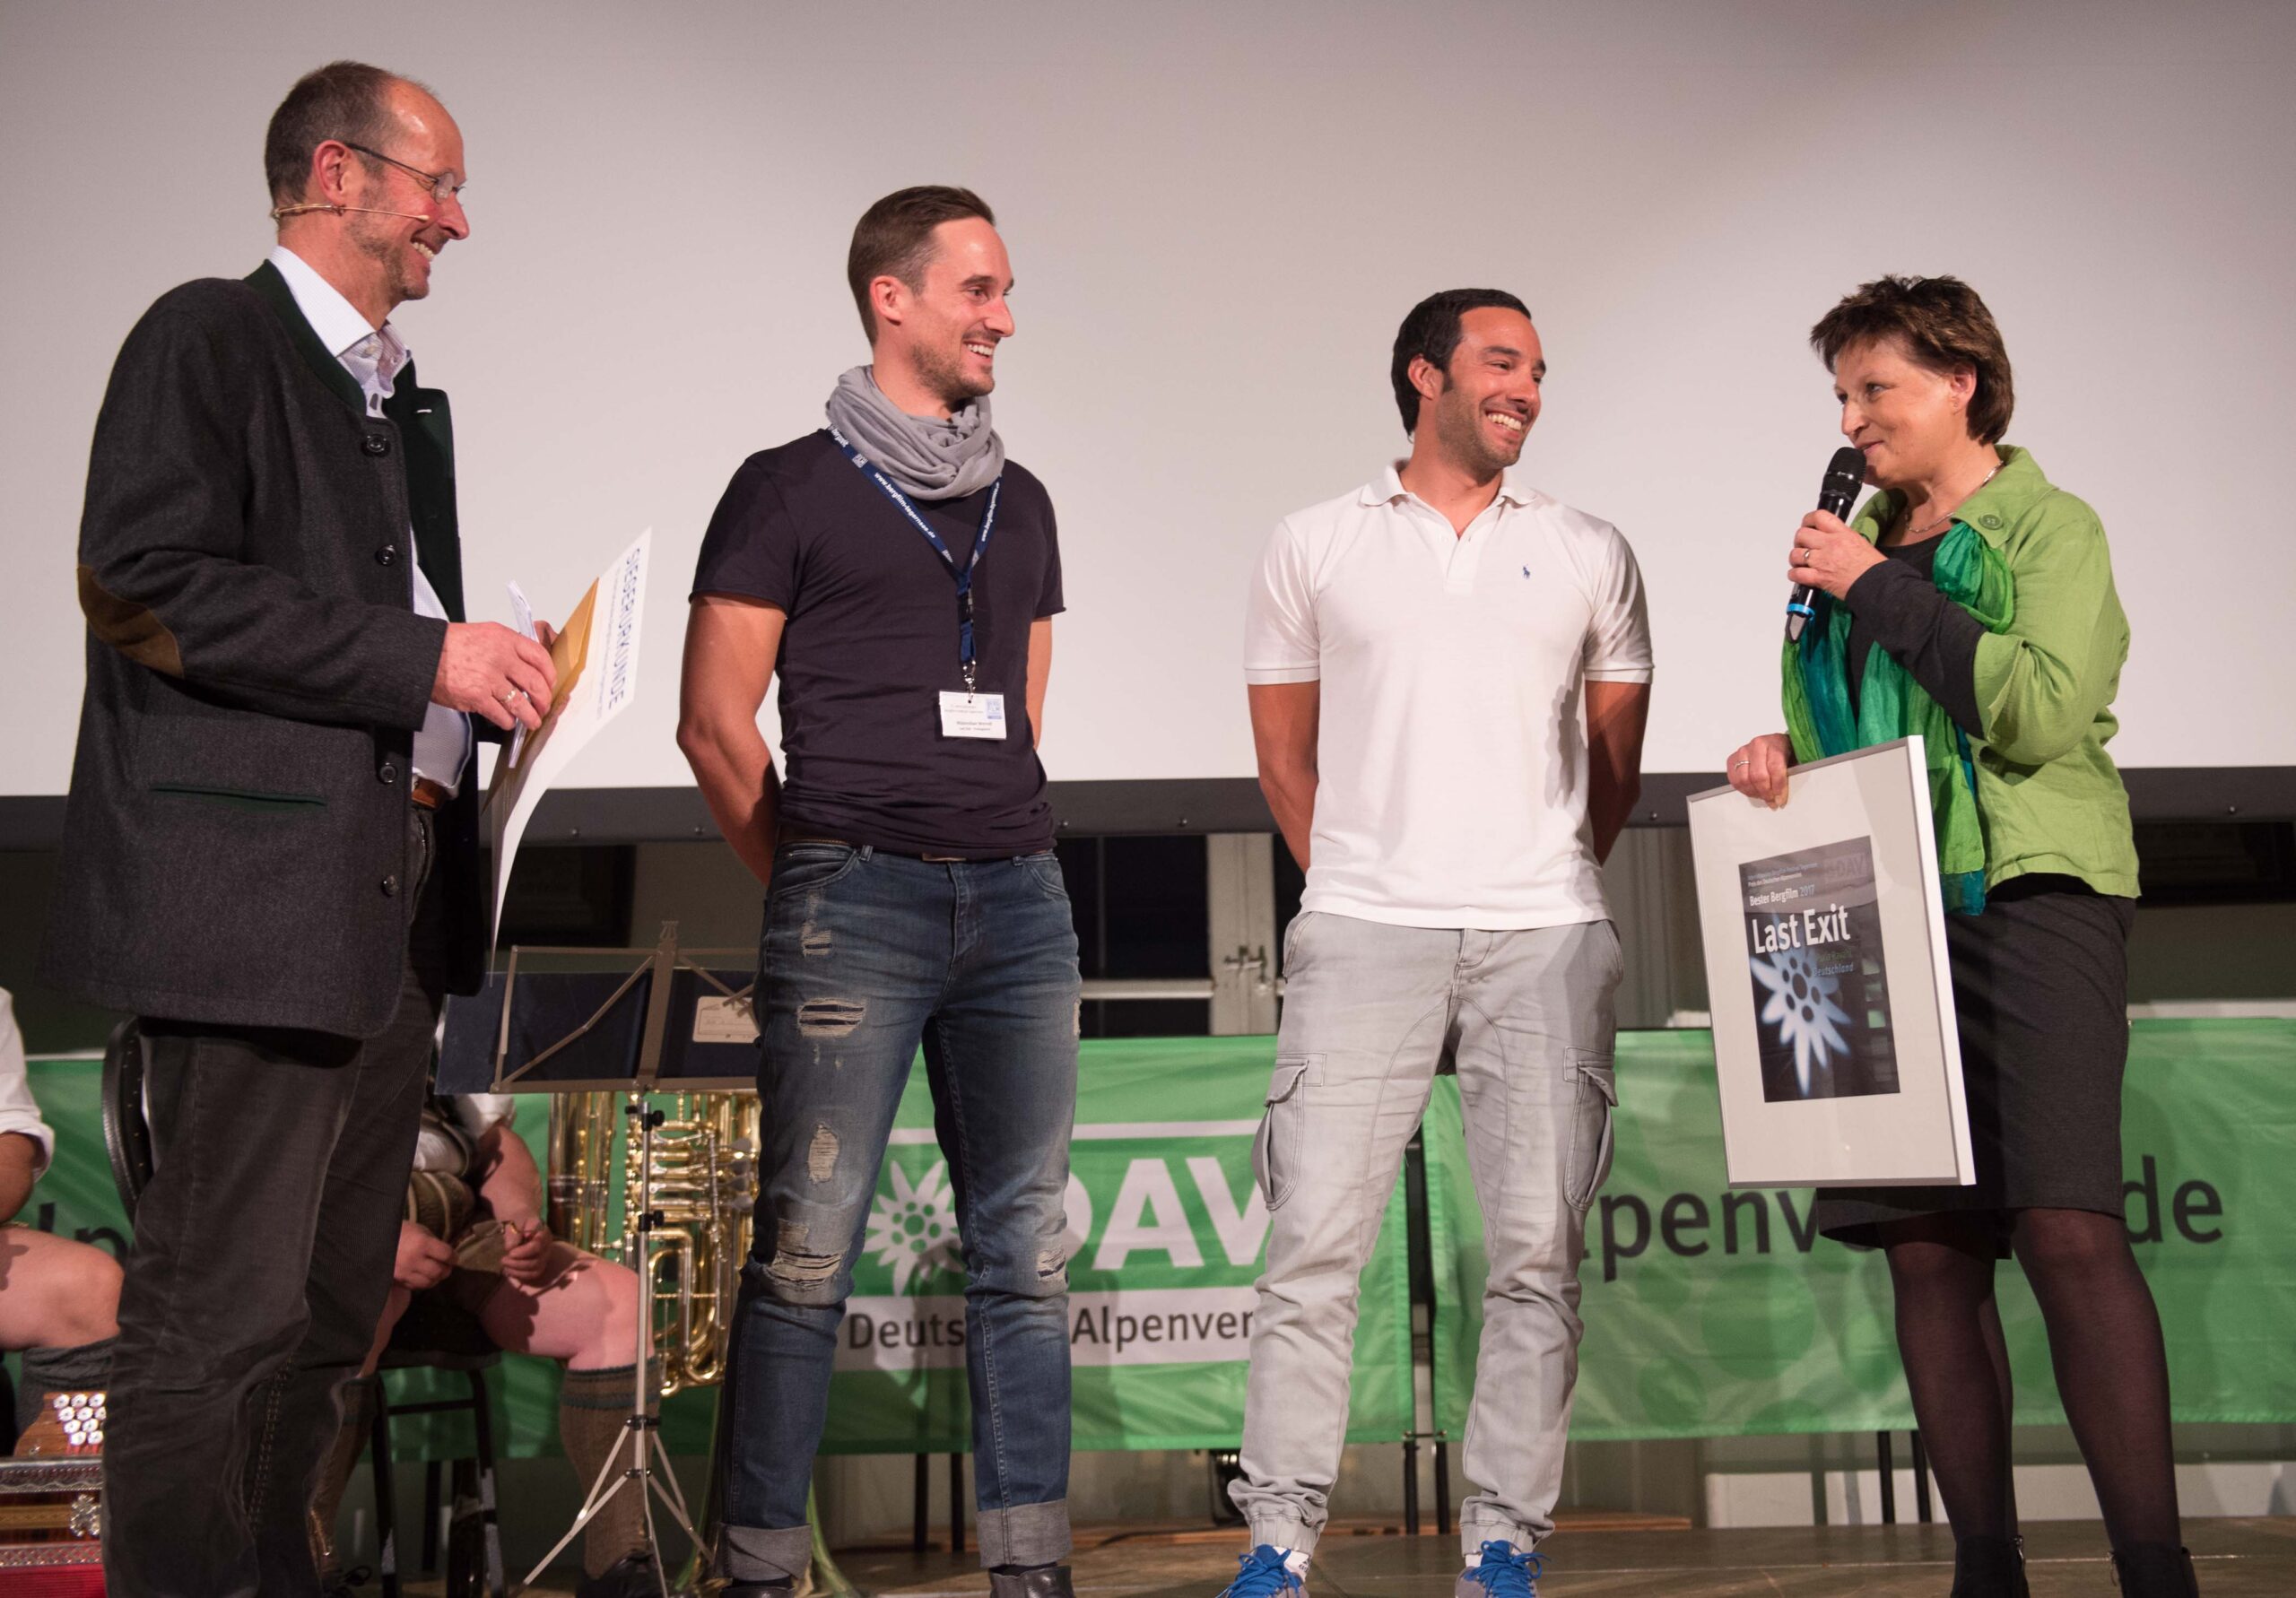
1707, 1312
1167, 1233
1711, 1312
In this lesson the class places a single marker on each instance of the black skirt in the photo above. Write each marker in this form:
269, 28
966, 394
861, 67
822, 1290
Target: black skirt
2040, 982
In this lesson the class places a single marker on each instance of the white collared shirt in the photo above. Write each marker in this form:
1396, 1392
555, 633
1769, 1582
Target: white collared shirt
1451, 754
18, 1110
374, 357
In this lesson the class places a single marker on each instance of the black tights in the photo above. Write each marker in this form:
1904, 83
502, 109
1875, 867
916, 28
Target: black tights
2104, 1342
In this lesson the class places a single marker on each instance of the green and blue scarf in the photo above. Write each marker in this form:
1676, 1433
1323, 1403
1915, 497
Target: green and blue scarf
1891, 705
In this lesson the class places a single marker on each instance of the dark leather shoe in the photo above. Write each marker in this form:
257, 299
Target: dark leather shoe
2154, 1570
632, 1576
1989, 1568
1042, 1581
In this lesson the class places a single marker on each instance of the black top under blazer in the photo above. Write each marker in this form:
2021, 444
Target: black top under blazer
236, 840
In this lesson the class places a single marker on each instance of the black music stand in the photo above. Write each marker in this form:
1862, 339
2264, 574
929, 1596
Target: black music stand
665, 1023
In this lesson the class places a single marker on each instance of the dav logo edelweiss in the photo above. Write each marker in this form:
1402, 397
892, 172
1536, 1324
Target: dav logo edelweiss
1164, 1278
913, 1230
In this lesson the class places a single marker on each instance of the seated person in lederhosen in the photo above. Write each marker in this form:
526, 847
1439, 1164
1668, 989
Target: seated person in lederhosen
475, 1241
58, 1298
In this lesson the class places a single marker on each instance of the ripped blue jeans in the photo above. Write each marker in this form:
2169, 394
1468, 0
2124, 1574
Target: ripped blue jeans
865, 956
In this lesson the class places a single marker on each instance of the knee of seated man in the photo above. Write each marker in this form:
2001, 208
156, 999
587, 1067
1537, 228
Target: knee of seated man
94, 1291
78, 1293
617, 1289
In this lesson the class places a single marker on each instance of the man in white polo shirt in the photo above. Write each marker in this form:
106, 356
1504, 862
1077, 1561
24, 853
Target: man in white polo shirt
1449, 673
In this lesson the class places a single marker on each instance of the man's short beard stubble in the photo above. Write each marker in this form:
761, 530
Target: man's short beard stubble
944, 374
377, 242
1460, 427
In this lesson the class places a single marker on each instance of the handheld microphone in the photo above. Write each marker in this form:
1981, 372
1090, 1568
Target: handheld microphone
1845, 475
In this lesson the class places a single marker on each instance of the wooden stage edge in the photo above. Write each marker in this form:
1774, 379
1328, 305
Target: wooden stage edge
1598, 1554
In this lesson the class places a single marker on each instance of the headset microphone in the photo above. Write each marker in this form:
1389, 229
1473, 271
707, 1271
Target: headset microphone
1845, 475
278, 212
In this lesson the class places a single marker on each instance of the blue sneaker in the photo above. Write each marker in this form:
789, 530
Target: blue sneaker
1502, 1574
1268, 1572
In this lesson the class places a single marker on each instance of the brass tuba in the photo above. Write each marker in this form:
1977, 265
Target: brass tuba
704, 1191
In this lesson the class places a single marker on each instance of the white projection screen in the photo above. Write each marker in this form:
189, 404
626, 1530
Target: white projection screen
1218, 213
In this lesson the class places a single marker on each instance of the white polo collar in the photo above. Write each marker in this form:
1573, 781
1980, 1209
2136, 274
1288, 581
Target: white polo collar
1388, 488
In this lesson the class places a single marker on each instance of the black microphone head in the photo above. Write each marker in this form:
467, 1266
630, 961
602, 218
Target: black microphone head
1845, 475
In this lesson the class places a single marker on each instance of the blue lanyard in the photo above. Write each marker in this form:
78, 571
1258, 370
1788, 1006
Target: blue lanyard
963, 573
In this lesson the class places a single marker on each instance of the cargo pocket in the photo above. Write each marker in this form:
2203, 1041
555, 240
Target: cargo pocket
1276, 1147
1593, 1101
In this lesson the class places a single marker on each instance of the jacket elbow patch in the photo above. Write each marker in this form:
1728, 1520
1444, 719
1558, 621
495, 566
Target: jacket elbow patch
127, 627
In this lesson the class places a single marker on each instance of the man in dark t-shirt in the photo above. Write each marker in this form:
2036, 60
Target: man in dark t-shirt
902, 577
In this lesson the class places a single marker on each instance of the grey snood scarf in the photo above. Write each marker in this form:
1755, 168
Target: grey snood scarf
927, 457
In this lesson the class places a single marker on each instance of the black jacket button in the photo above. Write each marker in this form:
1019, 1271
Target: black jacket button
390, 887
388, 774
386, 554
377, 444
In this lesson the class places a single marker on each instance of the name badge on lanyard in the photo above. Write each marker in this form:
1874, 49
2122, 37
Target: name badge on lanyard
971, 713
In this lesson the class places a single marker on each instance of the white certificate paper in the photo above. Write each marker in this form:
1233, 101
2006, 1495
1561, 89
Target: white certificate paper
596, 657
1836, 1048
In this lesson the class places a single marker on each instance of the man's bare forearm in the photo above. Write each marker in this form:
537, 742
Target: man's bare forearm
18, 1155
1610, 801
744, 793
511, 1188
1291, 795
1616, 714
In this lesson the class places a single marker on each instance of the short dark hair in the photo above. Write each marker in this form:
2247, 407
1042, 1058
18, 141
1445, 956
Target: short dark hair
894, 239
348, 101
1432, 330
1942, 325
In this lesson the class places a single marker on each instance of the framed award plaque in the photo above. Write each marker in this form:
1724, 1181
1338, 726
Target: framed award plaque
1835, 1047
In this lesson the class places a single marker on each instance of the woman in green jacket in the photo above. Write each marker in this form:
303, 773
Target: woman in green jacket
1972, 602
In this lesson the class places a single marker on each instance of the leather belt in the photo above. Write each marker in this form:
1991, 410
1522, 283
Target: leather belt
430, 796
788, 837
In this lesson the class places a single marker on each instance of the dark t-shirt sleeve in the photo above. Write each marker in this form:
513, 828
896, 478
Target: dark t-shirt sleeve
751, 546
1049, 601
1931, 637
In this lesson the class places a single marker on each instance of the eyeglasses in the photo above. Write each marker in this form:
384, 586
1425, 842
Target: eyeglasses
443, 186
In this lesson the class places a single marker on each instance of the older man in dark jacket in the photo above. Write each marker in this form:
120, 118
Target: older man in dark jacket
271, 848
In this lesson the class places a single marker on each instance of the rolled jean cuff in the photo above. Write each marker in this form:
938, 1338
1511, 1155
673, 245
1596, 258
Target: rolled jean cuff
1025, 1535
753, 1553
1287, 1532
1477, 1529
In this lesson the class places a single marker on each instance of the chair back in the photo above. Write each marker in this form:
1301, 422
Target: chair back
127, 1128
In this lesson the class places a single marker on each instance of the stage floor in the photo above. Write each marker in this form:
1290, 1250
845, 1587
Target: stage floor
2236, 1559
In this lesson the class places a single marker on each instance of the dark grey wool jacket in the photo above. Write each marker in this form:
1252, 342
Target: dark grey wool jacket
235, 843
